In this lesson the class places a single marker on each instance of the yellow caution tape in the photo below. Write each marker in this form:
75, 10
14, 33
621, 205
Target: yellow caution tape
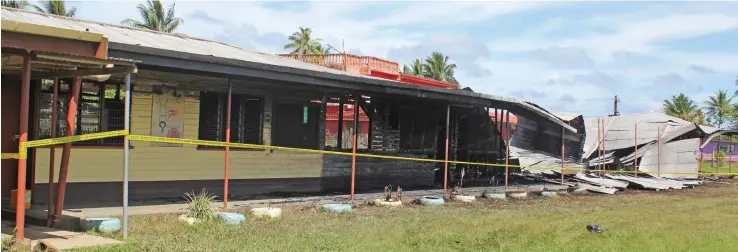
269, 147
77, 138
23, 148
61, 140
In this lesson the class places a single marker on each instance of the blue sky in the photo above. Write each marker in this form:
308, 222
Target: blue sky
565, 56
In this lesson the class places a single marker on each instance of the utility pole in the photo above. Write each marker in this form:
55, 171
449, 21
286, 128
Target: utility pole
615, 107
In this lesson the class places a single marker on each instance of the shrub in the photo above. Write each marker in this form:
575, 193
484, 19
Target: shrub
200, 206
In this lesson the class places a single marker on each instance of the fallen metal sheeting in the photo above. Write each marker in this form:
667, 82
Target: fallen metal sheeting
601, 181
646, 183
599, 189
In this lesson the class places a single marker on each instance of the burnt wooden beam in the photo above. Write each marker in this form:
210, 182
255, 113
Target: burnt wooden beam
340, 122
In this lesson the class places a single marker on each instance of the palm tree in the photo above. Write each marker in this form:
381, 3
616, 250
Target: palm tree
736, 83
18, 4
302, 42
720, 107
322, 50
681, 106
56, 7
438, 67
153, 17
415, 68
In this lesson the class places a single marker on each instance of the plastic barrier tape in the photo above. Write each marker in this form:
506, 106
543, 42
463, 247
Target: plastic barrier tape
77, 138
268, 147
23, 152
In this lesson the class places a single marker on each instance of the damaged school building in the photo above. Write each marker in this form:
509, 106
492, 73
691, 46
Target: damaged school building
181, 90
322, 102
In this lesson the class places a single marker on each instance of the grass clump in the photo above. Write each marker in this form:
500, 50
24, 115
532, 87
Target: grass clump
200, 205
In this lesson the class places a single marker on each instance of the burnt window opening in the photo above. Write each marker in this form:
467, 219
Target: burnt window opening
295, 125
100, 109
246, 118
418, 131
334, 125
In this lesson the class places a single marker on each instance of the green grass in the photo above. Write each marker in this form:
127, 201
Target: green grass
701, 219
707, 168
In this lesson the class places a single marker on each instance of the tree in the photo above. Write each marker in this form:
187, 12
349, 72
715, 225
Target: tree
681, 106
56, 7
736, 83
415, 68
438, 67
18, 4
720, 107
302, 42
153, 17
322, 50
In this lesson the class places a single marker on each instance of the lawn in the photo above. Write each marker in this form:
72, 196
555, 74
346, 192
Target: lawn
725, 168
701, 219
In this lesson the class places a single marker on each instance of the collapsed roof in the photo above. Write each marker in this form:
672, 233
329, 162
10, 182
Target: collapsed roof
680, 143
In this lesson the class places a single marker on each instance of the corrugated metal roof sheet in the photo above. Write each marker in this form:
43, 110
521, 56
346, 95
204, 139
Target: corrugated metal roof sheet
676, 157
160, 40
566, 116
620, 130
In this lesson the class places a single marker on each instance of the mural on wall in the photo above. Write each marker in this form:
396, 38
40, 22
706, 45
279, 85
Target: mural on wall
167, 118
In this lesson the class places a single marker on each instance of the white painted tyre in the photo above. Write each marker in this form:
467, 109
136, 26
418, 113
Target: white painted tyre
101, 224
383, 202
464, 198
518, 195
266, 212
231, 218
189, 220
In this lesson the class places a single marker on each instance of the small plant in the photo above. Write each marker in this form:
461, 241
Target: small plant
200, 206
9, 242
388, 192
399, 193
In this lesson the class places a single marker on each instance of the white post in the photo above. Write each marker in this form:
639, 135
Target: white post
126, 145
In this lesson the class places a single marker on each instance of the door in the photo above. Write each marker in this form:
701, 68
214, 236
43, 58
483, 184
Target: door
10, 88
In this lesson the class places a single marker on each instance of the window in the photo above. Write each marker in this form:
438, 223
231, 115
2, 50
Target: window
727, 148
246, 118
100, 109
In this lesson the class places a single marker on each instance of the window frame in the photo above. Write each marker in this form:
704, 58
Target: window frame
103, 118
238, 119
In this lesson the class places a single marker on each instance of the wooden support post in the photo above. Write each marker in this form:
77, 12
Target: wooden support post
445, 163
635, 154
563, 151
126, 153
66, 151
717, 156
227, 149
340, 122
52, 152
604, 147
699, 165
599, 146
498, 128
507, 149
354, 144
658, 149
20, 206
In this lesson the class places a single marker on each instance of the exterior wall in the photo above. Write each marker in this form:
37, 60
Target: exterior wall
186, 163
712, 146
374, 173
